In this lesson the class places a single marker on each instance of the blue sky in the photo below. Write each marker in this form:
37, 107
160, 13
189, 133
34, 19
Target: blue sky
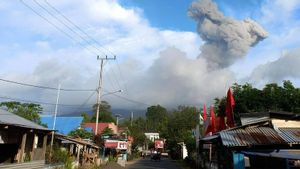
172, 14
156, 44
166, 14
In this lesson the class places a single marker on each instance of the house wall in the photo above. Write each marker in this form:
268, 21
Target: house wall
113, 127
277, 123
21, 145
152, 136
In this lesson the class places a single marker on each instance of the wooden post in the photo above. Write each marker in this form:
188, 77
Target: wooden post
78, 152
34, 145
23, 144
44, 145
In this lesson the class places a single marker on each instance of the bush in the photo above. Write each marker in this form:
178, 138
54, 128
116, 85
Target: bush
59, 156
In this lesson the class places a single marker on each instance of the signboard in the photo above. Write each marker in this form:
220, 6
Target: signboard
115, 144
159, 144
122, 145
111, 144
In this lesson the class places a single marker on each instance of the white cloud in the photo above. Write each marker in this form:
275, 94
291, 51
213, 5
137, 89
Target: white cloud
279, 17
157, 66
285, 67
47, 57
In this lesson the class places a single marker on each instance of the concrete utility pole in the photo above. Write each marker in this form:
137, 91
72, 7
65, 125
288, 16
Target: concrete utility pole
100, 86
131, 119
54, 121
117, 116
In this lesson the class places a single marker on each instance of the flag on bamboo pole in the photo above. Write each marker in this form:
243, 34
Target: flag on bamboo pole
229, 108
206, 121
211, 126
220, 123
204, 113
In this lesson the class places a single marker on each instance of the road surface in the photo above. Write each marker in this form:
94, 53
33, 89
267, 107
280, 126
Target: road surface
146, 163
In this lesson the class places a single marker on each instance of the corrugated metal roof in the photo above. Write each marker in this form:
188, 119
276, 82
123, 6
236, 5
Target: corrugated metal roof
63, 124
251, 137
287, 154
8, 118
290, 135
78, 141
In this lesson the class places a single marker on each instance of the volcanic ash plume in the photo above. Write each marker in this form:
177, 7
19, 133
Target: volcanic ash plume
226, 39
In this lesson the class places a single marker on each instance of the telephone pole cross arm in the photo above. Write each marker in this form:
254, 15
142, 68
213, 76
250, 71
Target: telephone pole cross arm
100, 86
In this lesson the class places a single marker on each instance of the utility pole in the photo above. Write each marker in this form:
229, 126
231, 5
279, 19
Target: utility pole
54, 121
131, 119
99, 89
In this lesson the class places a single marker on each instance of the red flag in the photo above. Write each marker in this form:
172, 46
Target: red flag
229, 108
211, 126
220, 120
212, 119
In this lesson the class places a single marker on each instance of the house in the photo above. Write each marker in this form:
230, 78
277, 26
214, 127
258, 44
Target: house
152, 136
84, 152
101, 127
21, 141
266, 143
63, 124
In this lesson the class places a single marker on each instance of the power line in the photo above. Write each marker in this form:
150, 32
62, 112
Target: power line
116, 78
66, 25
72, 23
85, 102
37, 102
46, 87
131, 100
122, 77
58, 28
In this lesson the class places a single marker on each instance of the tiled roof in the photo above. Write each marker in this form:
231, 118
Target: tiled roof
101, 126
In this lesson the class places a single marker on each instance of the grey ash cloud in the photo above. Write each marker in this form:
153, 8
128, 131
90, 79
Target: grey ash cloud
226, 39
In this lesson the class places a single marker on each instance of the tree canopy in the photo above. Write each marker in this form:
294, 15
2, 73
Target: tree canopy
105, 114
81, 133
271, 97
28, 111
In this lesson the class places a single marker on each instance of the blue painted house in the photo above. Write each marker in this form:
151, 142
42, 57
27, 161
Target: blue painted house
63, 124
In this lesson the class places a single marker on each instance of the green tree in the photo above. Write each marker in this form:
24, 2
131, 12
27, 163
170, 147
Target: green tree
86, 117
137, 131
81, 133
157, 118
105, 114
107, 131
271, 98
182, 122
28, 111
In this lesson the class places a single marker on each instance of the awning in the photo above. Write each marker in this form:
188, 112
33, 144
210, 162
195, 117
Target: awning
286, 154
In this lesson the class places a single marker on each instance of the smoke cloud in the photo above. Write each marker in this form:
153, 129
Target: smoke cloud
226, 39
285, 67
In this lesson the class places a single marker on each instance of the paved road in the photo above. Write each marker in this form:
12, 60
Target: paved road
146, 163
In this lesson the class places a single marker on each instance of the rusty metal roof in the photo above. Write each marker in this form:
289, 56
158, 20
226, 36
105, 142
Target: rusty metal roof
251, 136
290, 135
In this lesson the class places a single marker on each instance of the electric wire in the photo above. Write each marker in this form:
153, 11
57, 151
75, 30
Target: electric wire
131, 100
115, 75
72, 23
122, 77
66, 25
86, 101
37, 102
58, 28
47, 87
